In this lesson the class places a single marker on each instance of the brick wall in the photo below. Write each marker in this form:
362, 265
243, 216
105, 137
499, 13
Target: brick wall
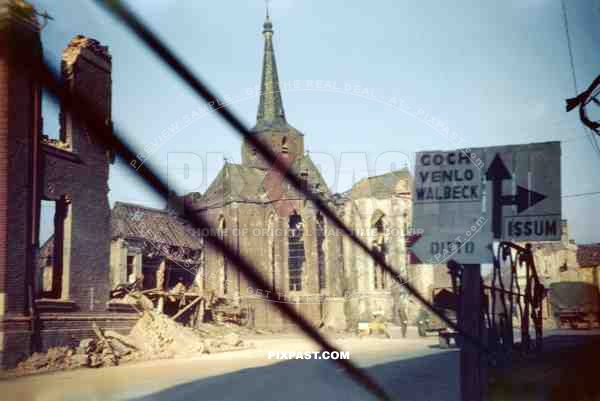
64, 329
78, 169
19, 117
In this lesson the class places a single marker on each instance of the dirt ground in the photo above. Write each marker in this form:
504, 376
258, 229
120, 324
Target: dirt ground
251, 375
567, 370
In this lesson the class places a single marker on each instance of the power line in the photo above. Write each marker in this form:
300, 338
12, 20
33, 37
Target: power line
591, 136
581, 194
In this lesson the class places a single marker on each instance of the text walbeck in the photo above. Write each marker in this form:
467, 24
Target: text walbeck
459, 184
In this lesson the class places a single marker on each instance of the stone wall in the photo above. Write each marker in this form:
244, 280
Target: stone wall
261, 236
360, 213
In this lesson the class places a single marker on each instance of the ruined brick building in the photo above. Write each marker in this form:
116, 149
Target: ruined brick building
56, 298
144, 240
71, 172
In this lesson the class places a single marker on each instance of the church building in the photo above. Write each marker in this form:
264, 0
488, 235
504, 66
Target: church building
296, 249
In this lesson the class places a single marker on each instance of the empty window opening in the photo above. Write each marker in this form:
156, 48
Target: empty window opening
150, 266
51, 234
51, 116
284, 146
130, 270
176, 274
304, 179
296, 255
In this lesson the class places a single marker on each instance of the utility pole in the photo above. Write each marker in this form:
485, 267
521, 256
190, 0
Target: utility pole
470, 320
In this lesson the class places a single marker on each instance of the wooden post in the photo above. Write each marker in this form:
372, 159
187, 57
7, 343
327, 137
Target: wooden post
472, 372
160, 306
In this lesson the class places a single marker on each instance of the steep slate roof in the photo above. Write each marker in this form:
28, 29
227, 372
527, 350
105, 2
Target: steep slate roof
156, 225
381, 186
588, 255
314, 176
238, 183
234, 183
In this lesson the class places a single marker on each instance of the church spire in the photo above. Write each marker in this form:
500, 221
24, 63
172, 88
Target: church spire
270, 110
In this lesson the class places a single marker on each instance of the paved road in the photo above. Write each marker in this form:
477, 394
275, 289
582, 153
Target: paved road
410, 369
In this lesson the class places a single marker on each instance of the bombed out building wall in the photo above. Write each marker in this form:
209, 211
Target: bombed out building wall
19, 145
74, 173
54, 305
378, 208
259, 214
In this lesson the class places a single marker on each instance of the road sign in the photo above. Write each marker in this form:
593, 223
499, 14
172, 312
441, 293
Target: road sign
439, 248
509, 193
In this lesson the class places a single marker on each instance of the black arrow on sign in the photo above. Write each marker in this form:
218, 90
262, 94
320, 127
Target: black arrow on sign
523, 199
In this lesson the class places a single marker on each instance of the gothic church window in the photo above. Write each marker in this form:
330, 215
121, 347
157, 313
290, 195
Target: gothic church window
296, 254
271, 248
222, 236
320, 228
379, 246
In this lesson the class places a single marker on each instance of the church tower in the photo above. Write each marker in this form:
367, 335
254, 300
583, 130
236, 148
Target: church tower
271, 125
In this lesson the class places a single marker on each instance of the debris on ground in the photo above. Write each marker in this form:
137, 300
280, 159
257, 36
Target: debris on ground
154, 336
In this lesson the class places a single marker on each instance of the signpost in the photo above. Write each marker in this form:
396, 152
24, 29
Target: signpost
463, 200
503, 193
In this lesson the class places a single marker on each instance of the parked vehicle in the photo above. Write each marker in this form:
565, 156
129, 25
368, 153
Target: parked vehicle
444, 301
430, 323
574, 304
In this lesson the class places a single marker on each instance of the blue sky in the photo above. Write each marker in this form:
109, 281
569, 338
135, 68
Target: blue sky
495, 73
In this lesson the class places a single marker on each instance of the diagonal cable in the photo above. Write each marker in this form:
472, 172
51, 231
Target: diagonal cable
160, 49
85, 111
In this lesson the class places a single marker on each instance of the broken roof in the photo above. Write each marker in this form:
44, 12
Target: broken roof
238, 183
588, 255
381, 186
155, 225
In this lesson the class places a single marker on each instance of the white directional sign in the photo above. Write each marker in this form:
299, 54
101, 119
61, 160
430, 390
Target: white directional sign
509, 193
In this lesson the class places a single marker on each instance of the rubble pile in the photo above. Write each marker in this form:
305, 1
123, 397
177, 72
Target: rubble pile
55, 359
159, 336
154, 336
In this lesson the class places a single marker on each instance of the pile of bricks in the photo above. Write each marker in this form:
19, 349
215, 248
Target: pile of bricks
154, 336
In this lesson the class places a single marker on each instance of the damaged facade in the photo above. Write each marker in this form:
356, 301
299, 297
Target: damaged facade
145, 241
55, 294
40, 308
296, 248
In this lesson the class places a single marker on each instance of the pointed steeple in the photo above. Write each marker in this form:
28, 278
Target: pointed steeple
270, 110
271, 125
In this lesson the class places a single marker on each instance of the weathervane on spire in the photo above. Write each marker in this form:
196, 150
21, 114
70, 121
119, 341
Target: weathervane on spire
267, 26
